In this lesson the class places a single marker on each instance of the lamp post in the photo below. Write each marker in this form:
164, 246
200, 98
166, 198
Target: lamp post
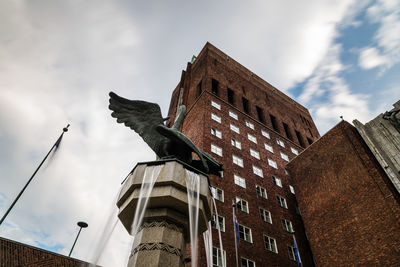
81, 225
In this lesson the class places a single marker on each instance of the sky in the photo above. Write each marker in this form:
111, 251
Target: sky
59, 60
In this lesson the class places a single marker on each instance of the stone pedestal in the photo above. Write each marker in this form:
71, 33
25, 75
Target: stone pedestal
162, 238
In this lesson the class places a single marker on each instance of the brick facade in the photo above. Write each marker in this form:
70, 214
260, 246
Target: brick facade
214, 76
15, 254
349, 206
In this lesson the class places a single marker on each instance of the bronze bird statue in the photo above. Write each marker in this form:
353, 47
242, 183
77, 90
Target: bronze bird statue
145, 118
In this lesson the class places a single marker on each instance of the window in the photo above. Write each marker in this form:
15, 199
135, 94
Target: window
239, 181
236, 143
221, 222
245, 103
281, 201
214, 87
265, 215
287, 131
216, 150
216, 133
247, 263
238, 161
233, 115
294, 151
215, 105
252, 138
309, 141
218, 257
258, 171
286, 171
234, 128
261, 191
260, 114
199, 89
272, 163
277, 181
280, 142
265, 134
300, 138
254, 153
216, 117
273, 122
242, 205
245, 233
231, 96
284, 156
287, 225
217, 193
292, 253
291, 189
269, 148
270, 244
250, 125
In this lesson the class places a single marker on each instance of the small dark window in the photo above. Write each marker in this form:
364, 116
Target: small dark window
310, 132
231, 95
273, 122
287, 131
260, 114
245, 105
214, 87
199, 89
309, 141
301, 141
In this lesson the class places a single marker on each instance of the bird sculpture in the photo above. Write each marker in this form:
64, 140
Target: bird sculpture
145, 119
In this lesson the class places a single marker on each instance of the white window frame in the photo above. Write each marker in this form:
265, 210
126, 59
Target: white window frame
294, 151
252, 138
240, 181
265, 215
236, 143
271, 244
215, 105
254, 153
292, 189
250, 125
280, 142
265, 134
277, 181
237, 160
234, 128
261, 191
215, 117
217, 193
245, 233
292, 253
221, 222
269, 147
219, 256
233, 115
272, 163
216, 150
287, 225
216, 132
258, 171
281, 201
247, 262
242, 204
284, 156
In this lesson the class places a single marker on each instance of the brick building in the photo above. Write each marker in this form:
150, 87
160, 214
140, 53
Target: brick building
348, 200
253, 129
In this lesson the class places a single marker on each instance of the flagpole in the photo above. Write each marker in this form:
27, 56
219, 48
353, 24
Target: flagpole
234, 231
65, 129
297, 255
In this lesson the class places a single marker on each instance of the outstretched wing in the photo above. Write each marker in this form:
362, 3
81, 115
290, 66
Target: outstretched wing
140, 116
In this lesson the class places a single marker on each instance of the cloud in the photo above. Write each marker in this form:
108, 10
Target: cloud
386, 52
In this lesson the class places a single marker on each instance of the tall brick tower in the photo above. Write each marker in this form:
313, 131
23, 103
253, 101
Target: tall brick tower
253, 129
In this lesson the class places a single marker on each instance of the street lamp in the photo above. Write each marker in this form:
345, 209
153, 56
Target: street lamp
81, 225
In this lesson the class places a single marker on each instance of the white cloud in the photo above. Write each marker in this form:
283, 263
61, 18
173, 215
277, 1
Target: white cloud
386, 52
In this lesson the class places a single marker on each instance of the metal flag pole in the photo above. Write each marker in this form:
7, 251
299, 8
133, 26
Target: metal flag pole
234, 231
65, 129
81, 225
